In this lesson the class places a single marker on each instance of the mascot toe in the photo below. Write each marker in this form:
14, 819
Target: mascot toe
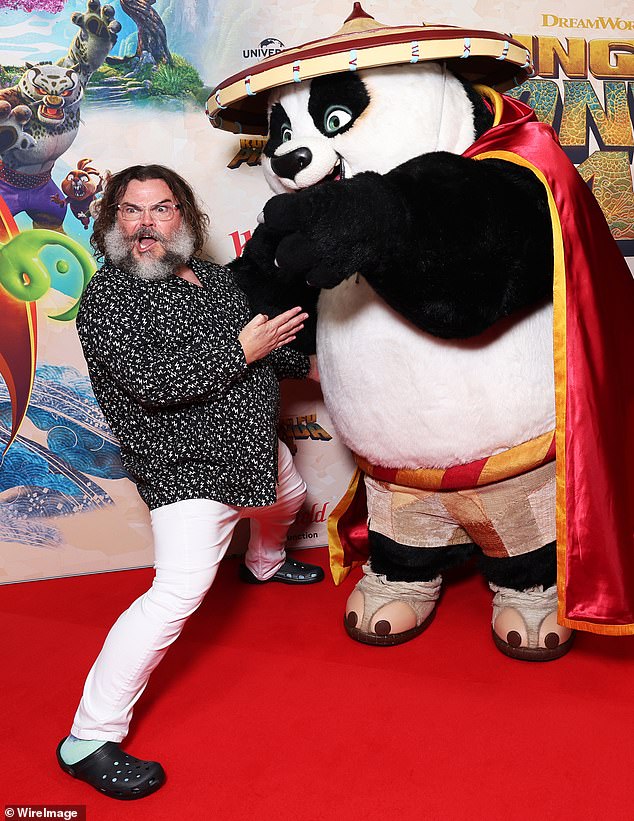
387, 612
467, 291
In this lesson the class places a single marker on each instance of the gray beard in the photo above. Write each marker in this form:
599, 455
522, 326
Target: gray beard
178, 251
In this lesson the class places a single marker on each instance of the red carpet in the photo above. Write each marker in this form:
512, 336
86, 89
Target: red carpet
265, 710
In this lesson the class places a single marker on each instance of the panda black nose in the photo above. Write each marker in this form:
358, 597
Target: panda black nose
292, 163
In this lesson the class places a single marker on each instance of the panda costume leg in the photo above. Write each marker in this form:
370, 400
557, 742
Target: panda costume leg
396, 598
417, 535
524, 622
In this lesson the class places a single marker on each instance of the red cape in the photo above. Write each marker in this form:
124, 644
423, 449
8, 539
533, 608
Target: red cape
594, 388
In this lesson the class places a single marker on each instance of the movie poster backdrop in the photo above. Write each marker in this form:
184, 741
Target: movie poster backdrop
66, 504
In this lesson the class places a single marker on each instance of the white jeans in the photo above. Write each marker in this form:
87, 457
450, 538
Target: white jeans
190, 539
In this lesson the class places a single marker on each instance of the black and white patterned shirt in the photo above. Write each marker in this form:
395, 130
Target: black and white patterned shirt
193, 420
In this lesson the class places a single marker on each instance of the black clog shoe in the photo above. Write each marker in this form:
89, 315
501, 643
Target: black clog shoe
291, 572
115, 773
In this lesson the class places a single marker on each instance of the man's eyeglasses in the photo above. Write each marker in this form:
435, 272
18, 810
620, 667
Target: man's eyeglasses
162, 211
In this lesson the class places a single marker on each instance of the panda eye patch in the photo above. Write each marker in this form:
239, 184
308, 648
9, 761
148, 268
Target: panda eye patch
336, 101
335, 118
280, 129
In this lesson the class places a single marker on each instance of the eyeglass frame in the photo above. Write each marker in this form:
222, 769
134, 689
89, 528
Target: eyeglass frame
172, 208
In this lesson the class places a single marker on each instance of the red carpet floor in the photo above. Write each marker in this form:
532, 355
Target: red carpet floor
265, 710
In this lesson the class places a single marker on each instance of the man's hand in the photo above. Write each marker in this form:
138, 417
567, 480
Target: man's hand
262, 335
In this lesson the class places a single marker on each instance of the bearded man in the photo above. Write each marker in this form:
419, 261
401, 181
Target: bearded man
188, 382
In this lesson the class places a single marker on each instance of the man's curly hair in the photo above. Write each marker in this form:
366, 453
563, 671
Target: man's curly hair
106, 207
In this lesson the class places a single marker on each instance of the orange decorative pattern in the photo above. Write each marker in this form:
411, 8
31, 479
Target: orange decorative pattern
509, 463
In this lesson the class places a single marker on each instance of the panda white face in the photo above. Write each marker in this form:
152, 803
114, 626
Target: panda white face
341, 124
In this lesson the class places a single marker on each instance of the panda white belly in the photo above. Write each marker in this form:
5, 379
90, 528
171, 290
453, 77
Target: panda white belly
402, 398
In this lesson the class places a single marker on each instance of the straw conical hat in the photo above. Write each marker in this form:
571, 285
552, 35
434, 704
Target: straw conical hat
239, 104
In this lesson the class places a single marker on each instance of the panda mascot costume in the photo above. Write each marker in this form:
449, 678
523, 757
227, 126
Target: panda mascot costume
426, 221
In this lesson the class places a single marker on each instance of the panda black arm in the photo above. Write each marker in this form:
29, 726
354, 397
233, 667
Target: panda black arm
484, 244
252, 272
271, 291
453, 244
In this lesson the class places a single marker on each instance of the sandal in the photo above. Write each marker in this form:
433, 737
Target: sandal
385, 613
116, 773
525, 625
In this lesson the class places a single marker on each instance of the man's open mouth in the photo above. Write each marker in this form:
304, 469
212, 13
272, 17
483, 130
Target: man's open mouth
146, 241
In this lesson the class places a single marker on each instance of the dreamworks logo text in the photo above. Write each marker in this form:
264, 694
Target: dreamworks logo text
599, 23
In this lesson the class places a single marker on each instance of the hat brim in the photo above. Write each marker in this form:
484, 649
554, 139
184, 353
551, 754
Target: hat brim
239, 103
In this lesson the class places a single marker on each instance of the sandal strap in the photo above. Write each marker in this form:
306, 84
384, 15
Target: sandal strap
535, 598
381, 588
534, 605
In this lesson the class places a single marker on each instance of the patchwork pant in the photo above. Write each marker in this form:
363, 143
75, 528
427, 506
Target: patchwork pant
505, 519
190, 539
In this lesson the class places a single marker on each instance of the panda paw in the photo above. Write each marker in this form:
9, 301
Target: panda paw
298, 254
317, 238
